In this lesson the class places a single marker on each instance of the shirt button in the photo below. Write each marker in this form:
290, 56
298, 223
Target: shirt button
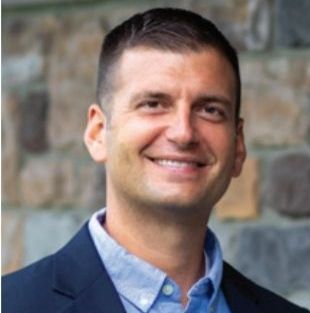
167, 290
212, 309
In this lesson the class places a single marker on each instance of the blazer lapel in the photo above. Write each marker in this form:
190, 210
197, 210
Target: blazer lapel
96, 299
239, 298
79, 275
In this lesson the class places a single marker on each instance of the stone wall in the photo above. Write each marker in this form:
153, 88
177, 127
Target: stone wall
49, 184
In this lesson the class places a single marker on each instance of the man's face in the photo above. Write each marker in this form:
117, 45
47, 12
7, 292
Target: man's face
172, 141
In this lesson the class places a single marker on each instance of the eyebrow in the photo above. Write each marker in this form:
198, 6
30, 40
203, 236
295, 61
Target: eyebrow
214, 98
151, 95
164, 96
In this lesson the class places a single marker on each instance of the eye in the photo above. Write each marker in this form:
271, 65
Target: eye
212, 111
152, 106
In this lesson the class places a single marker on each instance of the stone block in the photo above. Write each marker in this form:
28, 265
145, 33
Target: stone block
11, 152
226, 231
92, 190
292, 23
68, 182
72, 72
287, 185
275, 93
46, 48
289, 70
248, 66
231, 17
49, 181
55, 180
258, 29
249, 24
30, 34
46, 232
27, 39
21, 69
275, 256
38, 180
241, 199
34, 110
275, 116
12, 234
9, 3
281, 68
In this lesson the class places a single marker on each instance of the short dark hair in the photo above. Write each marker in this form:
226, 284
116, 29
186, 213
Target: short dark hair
167, 29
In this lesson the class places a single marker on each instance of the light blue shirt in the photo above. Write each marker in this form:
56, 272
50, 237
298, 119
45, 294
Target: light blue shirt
144, 288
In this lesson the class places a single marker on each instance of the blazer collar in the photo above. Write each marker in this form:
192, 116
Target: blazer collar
238, 295
79, 274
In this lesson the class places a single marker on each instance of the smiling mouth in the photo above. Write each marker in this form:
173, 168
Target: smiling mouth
177, 164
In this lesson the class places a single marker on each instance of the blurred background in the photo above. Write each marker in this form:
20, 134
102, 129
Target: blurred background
50, 186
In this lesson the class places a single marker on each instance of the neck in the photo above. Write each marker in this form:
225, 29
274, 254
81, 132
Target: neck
162, 241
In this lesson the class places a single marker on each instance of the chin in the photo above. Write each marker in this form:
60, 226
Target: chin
180, 204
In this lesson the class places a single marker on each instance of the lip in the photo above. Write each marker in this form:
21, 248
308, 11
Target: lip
178, 165
179, 158
177, 162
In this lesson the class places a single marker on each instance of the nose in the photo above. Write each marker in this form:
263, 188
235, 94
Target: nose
181, 130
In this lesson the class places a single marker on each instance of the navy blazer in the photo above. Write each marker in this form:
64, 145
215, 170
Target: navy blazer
74, 280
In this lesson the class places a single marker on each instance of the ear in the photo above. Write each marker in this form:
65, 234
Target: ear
240, 149
95, 133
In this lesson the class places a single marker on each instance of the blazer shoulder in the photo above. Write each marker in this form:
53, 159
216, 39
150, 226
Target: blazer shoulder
26, 289
25, 285
55, 283
267, 300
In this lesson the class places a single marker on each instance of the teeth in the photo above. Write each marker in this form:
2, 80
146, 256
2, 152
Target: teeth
176, 164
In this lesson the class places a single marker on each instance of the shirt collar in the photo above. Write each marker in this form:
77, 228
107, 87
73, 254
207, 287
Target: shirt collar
133, 278
136, 279
210, 283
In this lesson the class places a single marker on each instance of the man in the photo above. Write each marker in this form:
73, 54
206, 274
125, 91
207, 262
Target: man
168, 130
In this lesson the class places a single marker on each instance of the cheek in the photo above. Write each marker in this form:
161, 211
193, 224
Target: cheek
226, 144
140, 132
221, 142
220, 138
128, 138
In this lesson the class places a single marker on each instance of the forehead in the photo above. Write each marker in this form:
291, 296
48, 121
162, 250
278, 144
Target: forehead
148, 68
